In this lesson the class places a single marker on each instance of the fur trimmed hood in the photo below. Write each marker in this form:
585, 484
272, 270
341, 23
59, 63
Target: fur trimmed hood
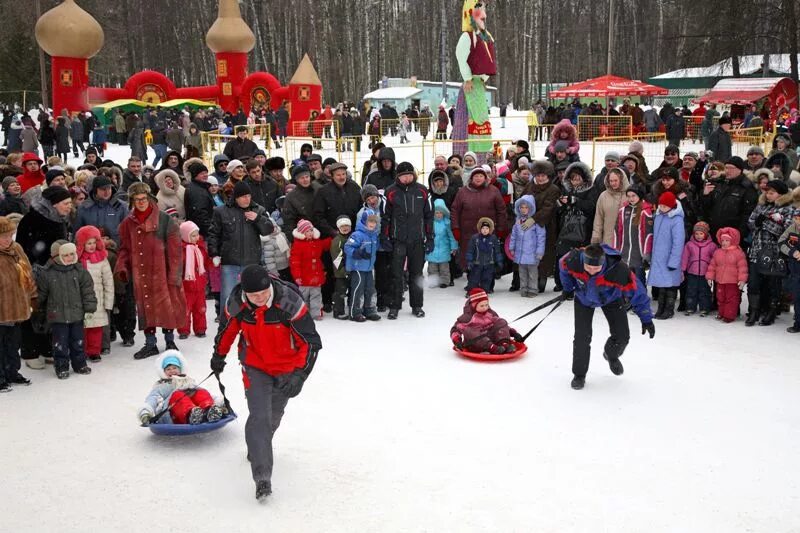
170, 353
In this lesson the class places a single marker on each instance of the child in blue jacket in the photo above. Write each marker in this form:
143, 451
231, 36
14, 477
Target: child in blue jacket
484, 256
360, 252
445, 246
527, 245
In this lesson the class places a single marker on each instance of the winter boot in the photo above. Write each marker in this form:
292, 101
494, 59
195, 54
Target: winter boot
19, 379
35, 364
215, 413
753, 310
197, 416
94, 358
263, 490
373, 317
62, 374
4, 387
669, 306
359, 318
393, 314
418, 312
769, 317
614, 364
127, 342
542, 284
578, 383
145, 352
85, 370
793, 329
662, 303
171, 346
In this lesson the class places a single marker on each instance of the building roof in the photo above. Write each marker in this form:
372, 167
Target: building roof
305, 74
393, 93
750, 64
741, 90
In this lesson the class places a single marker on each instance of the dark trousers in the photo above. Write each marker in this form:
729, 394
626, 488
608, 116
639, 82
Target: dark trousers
616, 343
383, 278
794, 282
68, 345
362, 292
481, 276
34, 343
123, 318
697, 292
330, 280
414, 253
266, 404
340, 295
9, 352
767, 288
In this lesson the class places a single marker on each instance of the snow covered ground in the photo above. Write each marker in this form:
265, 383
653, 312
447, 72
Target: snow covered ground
394, 432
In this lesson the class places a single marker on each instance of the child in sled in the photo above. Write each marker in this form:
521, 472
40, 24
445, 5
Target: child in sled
188, 403
480, 329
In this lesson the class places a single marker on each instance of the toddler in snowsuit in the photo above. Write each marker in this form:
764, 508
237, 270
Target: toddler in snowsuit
66, 292
445, 246
790, 247
697, 255
402, 128
306, 264
339, 271
360, 251
196, 264
275, 252
94, 258
728, 270
187, 403
480, 330
527, 245
484, 256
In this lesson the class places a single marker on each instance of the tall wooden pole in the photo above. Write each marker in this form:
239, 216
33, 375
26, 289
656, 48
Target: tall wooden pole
42, 69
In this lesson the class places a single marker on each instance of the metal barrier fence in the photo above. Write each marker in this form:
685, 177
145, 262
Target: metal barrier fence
591, 126
653, 143
292, 145
327, 129
213, 144
743, 138
418, 129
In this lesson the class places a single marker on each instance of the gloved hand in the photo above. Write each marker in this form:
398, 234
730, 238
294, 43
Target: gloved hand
217, 364
216, 261
650, 328
362, 253
456, 338
528, 224
457, 234
121, 276
429, 244
145, 417
516, 336
386, 244
760, 220
291, 384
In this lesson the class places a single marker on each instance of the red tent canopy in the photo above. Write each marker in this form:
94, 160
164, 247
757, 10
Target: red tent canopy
606, 87
744, 91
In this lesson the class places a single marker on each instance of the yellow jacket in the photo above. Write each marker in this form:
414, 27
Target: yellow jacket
533, 120
148, 137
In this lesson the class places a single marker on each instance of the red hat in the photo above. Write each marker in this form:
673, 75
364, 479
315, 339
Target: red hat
30, 156
668, 199
476, 296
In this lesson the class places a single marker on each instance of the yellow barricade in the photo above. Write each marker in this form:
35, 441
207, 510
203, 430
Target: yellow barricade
653, 143
213, 144
591, 126
327, 129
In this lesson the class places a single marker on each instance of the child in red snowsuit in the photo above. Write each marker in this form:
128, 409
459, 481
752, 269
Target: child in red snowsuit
728, 270
188, 403
196, 265
481, 330
305, 261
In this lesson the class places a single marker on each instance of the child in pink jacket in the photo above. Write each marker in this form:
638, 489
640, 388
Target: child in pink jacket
728, 269
480, 329
697, 255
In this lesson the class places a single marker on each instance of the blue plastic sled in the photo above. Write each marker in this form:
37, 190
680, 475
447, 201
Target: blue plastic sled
191, 429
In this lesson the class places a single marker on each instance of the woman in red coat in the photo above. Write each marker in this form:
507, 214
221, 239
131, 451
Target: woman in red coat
150, 256
473, 201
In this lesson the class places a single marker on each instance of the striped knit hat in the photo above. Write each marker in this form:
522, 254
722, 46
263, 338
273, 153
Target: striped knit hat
304, 226
476, 296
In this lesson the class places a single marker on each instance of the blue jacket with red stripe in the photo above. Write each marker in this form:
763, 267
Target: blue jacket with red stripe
614, 282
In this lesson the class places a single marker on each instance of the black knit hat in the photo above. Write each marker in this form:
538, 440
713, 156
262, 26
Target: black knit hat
637, 190
196, 168
725, 120
101, 181
779, 186
736, 161
405, 168
52, 174
328, 161
55, 195
255, 278
241, 189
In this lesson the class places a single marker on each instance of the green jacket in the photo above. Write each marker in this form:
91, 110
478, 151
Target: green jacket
66, 293
337, 252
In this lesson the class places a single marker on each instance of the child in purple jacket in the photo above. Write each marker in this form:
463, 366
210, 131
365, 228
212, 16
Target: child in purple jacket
697, 255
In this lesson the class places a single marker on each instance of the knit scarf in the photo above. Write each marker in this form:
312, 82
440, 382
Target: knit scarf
194, 261
94, 257
141, 216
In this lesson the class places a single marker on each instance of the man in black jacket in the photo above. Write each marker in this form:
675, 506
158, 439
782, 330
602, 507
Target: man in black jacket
408, 224
265, 191
384, 176
234, 241
720, 144
729, 202
341, 196
241, 147
299, 203
197, 200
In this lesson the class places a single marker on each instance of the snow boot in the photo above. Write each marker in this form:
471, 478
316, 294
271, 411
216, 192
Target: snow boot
393, 314
197, 416
418, 312
263, 490
171, 346
4, 387
768, 318
147, 351
127, 342
94, 358
542, 284
359, 318
183, 336
793, 329
373, 317
662, 303
215, 413
614, 364
578, 383
341, 316
669, 305
19, 379
85, 370
753, 310
62, 374
35, 364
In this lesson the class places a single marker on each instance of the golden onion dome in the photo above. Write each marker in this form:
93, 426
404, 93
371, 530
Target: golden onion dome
69, 31
230, 33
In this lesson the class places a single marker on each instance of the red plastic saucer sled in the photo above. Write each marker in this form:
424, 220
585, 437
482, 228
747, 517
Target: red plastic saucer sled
519, 352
